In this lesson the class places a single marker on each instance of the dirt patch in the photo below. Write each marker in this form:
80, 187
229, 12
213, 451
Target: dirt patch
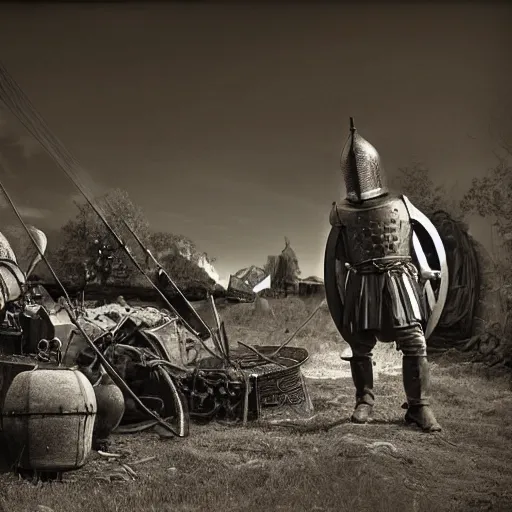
327, 363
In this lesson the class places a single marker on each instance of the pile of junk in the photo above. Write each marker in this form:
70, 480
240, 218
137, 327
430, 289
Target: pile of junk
70, 376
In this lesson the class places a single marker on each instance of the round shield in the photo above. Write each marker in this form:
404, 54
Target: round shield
334, 273
433, 252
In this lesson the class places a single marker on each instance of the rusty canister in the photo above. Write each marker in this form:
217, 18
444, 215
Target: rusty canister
48, 419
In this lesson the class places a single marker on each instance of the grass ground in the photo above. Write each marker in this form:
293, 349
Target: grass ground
324, 464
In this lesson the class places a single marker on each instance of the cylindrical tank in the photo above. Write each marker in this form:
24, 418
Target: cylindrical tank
110, 401
48, 419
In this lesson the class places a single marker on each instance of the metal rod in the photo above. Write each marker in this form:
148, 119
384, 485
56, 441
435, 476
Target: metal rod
308, 319
163, 271
258, 353
224, 335
218, 336
191, 308
223, 339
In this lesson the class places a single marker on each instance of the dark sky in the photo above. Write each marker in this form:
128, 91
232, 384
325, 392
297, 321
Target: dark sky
225, 122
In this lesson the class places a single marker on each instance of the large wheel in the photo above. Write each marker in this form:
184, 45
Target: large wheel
334, 271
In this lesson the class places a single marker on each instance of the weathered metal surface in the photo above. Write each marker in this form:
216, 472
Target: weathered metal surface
239, 290
278, 390
38, 322
430, 247
10, 366
110, 405
48, 419
378, 231
274, 388
10, 342
12, 281
362, 168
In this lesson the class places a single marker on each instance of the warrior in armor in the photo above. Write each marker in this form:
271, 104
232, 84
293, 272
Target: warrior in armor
379, 284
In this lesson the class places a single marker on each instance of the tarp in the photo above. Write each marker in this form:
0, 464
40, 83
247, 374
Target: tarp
456, 322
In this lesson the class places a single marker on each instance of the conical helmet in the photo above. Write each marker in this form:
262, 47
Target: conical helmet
362, 168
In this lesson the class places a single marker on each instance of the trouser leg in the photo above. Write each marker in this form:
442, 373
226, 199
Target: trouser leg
416, 377
361, 366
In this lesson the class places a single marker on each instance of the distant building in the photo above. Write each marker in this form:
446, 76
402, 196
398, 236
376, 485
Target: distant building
284, 271
311, 286
244, 285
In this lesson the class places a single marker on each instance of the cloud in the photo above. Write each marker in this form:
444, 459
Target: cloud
5, 167
33, 213
27, 212
29, 146
17, 136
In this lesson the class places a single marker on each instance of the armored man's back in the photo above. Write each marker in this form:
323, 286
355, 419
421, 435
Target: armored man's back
371, 283
380, 281
375, 229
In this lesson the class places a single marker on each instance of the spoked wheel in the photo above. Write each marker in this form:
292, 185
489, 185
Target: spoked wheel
175, 404
156, 387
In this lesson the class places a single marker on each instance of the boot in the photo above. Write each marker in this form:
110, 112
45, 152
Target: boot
362, 375
416, 377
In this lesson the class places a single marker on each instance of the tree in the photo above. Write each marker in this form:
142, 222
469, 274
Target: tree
84, 236
164, 243
415, 182
185, 273
86, 244
180, 258
491, 197
283, 269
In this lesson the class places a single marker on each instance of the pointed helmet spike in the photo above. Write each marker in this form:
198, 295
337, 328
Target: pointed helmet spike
362, 168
